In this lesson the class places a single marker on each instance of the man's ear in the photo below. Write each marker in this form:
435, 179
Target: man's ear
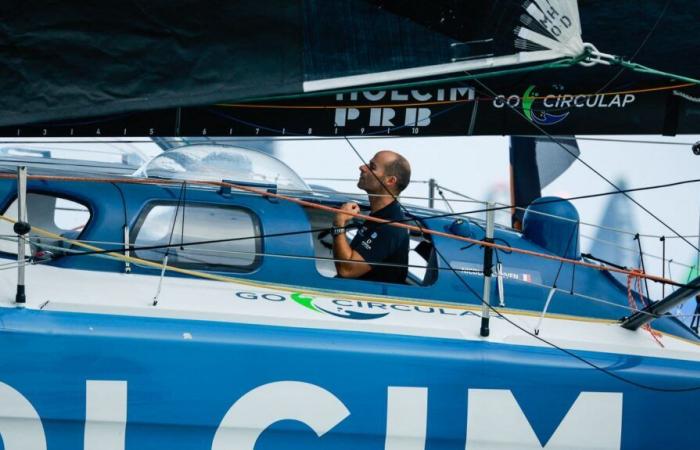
391, 181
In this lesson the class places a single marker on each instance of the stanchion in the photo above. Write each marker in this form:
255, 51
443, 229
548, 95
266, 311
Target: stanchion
21, 227
488, 271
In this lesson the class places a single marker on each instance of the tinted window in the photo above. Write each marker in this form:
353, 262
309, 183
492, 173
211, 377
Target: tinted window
47, 212
159, 226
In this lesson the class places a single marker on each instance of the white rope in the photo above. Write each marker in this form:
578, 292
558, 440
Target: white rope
552, 291
592, 225
12, 237
690, 98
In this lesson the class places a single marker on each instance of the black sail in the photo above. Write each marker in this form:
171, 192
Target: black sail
239, 67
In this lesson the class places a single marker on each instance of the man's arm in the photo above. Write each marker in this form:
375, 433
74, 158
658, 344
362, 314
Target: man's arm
348, 263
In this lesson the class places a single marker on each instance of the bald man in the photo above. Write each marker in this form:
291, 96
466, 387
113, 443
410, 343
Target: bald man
378, 252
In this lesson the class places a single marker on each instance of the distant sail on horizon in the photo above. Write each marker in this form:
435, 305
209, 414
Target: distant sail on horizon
611, 245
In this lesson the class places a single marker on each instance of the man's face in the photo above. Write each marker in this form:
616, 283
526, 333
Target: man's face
372, 175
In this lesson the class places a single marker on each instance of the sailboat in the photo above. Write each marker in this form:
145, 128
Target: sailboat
193, 304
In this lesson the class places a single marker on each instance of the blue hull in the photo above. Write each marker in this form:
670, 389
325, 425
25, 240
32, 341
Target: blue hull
183, 376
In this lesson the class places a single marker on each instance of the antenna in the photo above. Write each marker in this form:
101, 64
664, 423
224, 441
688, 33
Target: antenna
21, 227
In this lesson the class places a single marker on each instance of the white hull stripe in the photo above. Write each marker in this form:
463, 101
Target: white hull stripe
57, 289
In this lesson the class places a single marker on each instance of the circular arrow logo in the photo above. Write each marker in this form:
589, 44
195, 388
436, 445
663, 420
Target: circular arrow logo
331, 307
536, 116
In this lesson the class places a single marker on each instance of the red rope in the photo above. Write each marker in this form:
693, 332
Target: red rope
330, 209
637, 275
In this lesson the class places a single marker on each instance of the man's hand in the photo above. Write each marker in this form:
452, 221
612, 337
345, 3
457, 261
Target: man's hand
348, 262
341, 219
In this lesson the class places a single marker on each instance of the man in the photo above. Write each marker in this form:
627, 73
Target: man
383, 178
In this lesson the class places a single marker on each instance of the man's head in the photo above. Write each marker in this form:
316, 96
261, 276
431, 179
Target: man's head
386, 170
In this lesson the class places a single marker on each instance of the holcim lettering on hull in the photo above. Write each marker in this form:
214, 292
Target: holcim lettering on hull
595, 416
384, 116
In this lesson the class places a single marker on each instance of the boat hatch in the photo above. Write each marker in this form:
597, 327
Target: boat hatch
208, 162
87, 160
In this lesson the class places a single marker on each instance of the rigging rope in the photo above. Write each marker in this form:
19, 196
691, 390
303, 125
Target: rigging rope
503, 206
636, 274
645, 69
437, 102
285, 138
603, 177
521, 328
495, 311
635, 251
215, 277
71, 252
642, 44
690, 98
12, 238
333, 210
14, 264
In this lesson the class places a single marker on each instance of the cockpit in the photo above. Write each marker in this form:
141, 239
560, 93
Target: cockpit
244, 166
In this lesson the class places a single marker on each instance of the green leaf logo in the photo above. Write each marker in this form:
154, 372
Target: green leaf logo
528, 100
306, 302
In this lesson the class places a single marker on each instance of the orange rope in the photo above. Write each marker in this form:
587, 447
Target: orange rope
438, 102
637, 275
330, 209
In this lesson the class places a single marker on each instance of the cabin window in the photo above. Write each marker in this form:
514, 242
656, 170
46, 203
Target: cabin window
159, 226
57, 215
